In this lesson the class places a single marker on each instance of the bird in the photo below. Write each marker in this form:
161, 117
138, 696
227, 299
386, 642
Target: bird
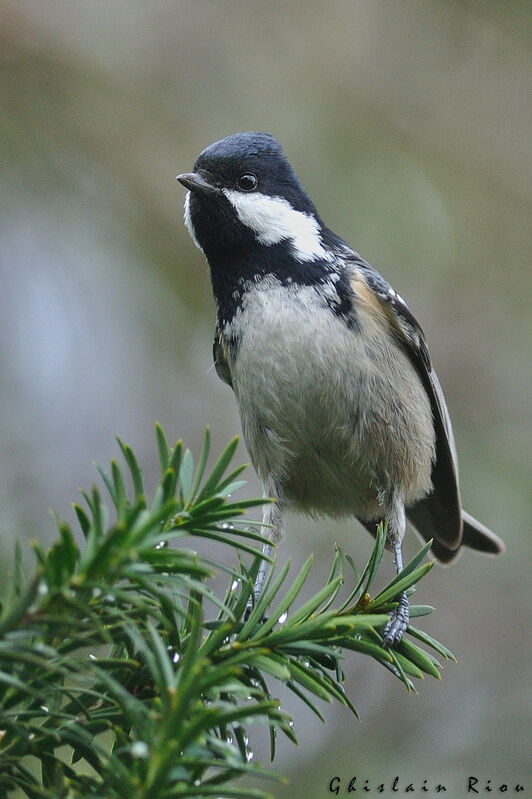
341, 410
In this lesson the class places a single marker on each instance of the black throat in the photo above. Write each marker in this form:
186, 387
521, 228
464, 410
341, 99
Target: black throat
234, 272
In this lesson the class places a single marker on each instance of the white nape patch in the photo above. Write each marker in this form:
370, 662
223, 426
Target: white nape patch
188, 222
273, 219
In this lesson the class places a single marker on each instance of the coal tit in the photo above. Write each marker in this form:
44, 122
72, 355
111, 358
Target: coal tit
341, 410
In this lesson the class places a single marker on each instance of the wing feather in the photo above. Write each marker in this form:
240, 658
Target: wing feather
439, 514
219, 354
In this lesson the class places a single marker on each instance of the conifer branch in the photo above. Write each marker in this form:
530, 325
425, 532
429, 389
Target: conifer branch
122, 673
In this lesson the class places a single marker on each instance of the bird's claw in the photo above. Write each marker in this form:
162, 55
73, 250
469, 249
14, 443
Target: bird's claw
396, 627
249, 607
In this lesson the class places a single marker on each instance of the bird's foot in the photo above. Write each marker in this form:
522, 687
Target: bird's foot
249, 608
396, 627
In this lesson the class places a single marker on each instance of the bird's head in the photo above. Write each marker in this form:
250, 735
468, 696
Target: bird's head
244, 194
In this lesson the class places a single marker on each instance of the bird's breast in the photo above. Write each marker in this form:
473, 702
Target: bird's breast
332, 414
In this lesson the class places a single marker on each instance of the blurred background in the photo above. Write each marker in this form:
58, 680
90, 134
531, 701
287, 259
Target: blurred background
409, 124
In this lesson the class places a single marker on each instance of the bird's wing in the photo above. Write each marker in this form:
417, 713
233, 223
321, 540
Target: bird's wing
438, 515
219, 354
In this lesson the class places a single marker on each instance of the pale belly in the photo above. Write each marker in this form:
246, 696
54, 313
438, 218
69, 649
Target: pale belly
335, 421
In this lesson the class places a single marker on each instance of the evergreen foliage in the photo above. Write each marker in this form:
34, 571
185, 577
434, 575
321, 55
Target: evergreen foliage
122, 673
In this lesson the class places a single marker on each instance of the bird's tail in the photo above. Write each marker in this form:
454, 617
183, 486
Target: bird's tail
475, 536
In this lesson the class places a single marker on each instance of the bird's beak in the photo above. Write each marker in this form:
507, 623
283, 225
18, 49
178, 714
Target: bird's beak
197, 183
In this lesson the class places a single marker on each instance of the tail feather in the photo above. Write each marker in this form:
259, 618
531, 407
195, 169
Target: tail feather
474, 535
477, 536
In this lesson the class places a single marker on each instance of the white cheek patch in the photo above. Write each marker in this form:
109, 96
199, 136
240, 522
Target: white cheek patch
273, 219
188, 222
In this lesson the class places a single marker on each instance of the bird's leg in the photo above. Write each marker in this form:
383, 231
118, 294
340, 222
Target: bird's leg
399, 617
396, 627
272, 529
272, 521
261, 575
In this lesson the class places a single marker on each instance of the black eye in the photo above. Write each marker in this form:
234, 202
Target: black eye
247, 182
